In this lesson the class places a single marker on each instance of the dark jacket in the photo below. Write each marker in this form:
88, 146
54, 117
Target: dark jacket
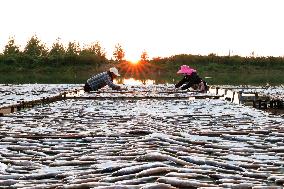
189, 80
100, 80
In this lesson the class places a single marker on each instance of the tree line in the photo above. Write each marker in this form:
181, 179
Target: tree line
36, 52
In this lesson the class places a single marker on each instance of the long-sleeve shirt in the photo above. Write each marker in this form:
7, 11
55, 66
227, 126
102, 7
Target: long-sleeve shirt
189, 81
100, 80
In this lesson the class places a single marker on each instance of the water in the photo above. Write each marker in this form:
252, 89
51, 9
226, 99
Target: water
80, 77
133, 81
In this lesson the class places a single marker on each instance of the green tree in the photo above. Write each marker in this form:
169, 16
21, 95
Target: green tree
57, 52
57, 49
11, 48
119, 54
73, 49
35, 48
98, 50
93, 54
94, 49
72, 53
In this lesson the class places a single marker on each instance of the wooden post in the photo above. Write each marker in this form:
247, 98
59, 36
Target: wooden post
272, 104
259, 104
233, 98
241, 98
265, 104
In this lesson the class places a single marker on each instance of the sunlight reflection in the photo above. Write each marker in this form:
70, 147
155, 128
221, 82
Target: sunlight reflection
132, 81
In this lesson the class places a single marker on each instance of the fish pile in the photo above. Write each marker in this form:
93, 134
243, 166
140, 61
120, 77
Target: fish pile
141, 143
11, 94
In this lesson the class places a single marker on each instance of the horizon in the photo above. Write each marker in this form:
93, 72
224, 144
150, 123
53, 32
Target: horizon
162, 28
229, 53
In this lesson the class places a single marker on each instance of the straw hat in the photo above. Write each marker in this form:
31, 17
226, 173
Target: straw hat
114, 71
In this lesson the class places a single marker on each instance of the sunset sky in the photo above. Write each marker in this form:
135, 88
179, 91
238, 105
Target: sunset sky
160, 27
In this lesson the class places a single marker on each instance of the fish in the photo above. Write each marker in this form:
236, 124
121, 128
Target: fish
8, 182
137, 168
181, 183
224, 165
257, 175
85, 185
155, 171
117, 178
70, 163
267, 187
32, 152
40, 176
156, 156
238, 186
158, 186
120, 187
138, 180
24, 163
81, 181
186, 175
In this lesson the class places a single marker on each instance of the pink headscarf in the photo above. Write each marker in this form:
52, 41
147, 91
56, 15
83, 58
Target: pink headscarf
185, 69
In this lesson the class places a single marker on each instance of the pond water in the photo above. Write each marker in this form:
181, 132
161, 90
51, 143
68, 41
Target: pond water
80, 77
133, 81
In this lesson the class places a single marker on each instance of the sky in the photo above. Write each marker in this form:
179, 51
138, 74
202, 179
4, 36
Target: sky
162, 28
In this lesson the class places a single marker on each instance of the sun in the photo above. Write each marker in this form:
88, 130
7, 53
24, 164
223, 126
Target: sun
135, 62
137, 69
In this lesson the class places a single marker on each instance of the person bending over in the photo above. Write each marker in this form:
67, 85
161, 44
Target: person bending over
102, 79
191, 80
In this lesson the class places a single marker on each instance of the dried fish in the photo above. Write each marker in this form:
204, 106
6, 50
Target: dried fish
158, 186
137, 181
118, 186
39, 176
85, 185
156, 156
32, 152
117, 178
224, 165
258, 175
242, 186
267, 187
137, 168
8, 182
70, 163
195, 169
187, 175
86, 180
181, 183
155, 171
11, 177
